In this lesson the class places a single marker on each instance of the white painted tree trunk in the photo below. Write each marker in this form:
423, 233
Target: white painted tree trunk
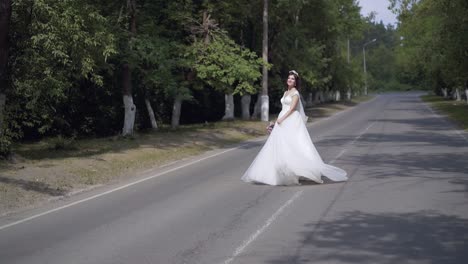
129, 119
154, 125
229, 107
466, 95
444, 92
457, 95
337, 96
265, 108
245, 101
310, 99
257, 107
348, 94
175, 121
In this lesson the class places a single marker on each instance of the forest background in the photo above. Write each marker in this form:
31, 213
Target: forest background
86, 69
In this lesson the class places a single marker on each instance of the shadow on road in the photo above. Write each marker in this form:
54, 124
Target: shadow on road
357, 237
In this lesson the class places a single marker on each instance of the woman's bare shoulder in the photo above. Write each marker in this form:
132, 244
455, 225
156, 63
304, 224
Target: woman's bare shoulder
294, 91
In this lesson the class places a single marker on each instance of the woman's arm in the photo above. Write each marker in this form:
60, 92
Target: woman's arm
295, 101
272, 123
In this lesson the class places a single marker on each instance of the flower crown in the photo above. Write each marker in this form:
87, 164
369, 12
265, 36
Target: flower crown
294, 73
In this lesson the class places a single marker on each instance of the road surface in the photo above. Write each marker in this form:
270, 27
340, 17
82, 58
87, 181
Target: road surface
406, 202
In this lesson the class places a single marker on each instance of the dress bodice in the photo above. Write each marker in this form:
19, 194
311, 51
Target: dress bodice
286, 101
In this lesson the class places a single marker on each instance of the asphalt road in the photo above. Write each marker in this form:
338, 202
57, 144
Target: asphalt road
406, 202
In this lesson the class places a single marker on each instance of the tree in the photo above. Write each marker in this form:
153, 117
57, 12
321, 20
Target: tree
130, 108
433, 49
226, 67
265, 115
57, 48
73, 62
223, 64
5, 15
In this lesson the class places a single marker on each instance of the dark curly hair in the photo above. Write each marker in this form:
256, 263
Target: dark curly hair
296, 78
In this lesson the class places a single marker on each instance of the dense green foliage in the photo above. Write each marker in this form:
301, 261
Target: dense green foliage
226, 66
66, 58
433, 52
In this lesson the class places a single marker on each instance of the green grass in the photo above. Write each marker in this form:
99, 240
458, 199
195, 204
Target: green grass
361, 98
456, 111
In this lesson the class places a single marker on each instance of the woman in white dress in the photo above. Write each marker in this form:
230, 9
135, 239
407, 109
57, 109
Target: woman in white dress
289, 153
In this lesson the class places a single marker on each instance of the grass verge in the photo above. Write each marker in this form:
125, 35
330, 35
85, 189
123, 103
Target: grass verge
57, 167
456, 111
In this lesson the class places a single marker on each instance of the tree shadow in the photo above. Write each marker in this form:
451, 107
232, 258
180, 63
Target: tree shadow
417, 139
39, 187
451, 167
163, 139
360, 237
426, 123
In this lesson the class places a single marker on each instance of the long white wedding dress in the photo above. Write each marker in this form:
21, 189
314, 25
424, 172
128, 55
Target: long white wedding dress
289, 153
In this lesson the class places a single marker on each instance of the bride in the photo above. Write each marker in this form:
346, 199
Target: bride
289, 153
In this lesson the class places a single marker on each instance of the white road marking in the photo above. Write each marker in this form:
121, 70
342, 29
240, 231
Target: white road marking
118, 188
351, 143
270, 220
259, 231
337, 157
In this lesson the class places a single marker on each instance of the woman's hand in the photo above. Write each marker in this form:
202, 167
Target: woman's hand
279, 121
269, 128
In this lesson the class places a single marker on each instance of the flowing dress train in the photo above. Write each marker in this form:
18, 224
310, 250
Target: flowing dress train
289, 153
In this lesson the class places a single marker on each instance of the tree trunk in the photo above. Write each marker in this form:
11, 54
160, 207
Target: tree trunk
444, 92
337, 96
5, 15
229, 107
245, 101
2, 107
265, 101
347, 53
176, 112
348, 94
129, 120
457, 95
318, 97
265, 108
257, 107
130, 108
466, 95
154, 125
296, 22
310, 99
